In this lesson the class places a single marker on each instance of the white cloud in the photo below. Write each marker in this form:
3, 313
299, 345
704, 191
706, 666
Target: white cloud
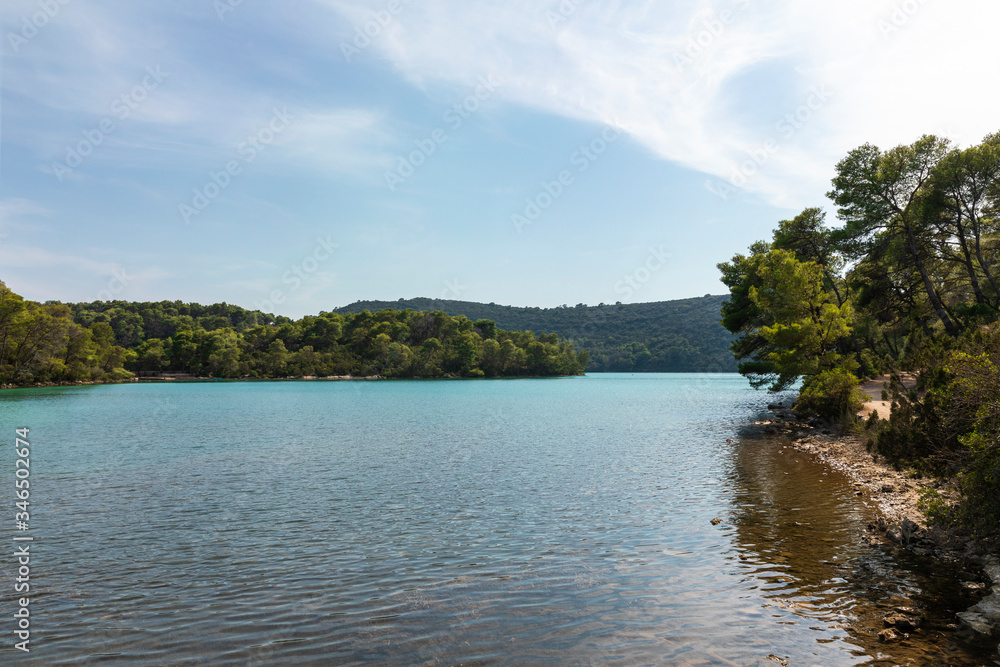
894, 70
17, 256
135, 68
17, 207
337, 140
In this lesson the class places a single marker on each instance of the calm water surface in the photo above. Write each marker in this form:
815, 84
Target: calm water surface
510, 522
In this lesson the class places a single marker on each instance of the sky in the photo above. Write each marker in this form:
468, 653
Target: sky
296, 157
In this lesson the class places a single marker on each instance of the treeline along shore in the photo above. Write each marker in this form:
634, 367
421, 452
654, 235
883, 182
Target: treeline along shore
108, 341
905, 287
55, 343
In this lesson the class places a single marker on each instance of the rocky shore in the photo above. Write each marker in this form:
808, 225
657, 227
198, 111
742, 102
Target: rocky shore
900, 523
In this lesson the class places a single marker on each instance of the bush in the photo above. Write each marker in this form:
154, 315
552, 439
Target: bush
831, 395
980, 484
921, 431
934, 507
976, 400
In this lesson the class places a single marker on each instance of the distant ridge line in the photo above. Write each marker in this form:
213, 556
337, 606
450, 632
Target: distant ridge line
681, 335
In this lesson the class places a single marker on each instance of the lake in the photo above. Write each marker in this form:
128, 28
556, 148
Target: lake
503, 522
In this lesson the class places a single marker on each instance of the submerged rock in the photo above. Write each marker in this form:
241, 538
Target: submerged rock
906, 623
888, 635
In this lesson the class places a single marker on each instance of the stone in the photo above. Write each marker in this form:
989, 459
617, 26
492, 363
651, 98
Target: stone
901, 622
716, 521
991, 565
977, 622
909, 529
888, 635
984, 616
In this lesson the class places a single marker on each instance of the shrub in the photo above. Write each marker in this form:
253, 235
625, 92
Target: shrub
831, 395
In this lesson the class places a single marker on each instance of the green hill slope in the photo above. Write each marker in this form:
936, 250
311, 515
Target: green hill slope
664, 336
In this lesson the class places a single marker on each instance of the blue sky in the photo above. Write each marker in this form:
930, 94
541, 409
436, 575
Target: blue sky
299, 156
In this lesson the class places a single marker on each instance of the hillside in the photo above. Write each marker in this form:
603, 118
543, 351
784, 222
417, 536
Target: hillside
663, 336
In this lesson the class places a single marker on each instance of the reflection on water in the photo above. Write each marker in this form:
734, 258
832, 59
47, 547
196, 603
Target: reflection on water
798, 528
412, 523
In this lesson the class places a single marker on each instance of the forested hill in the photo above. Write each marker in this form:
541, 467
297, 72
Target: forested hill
663, 336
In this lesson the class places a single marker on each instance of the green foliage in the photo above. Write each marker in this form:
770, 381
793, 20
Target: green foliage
786, 308
667, 336
908, 283
934, 507
41, 344
832, 395
976, 398
807, 327
44, 343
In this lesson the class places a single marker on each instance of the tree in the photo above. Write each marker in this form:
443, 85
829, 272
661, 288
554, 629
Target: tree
807, 326
11, 306
107, 355
967, 188
807, 236
221, 351
183, 349
883, 196
276, 359
743, 316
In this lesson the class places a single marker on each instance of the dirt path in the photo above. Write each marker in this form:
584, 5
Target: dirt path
873, 388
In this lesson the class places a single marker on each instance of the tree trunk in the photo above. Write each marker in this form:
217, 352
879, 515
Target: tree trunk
935, 299
970, 266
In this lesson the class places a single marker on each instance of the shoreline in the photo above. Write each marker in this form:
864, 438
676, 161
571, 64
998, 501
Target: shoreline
180, 379
900, 523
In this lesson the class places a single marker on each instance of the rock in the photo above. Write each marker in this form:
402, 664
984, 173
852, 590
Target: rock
901, 622
991, 565
888, 635
780, 661
887, 488
716, 521
984, 616
895, 534
973, 586
977, 622
909, 529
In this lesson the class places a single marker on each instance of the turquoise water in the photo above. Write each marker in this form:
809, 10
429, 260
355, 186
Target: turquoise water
561, 521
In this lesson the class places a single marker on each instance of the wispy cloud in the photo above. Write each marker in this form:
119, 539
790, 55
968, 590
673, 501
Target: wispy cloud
92, 65
685, 79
